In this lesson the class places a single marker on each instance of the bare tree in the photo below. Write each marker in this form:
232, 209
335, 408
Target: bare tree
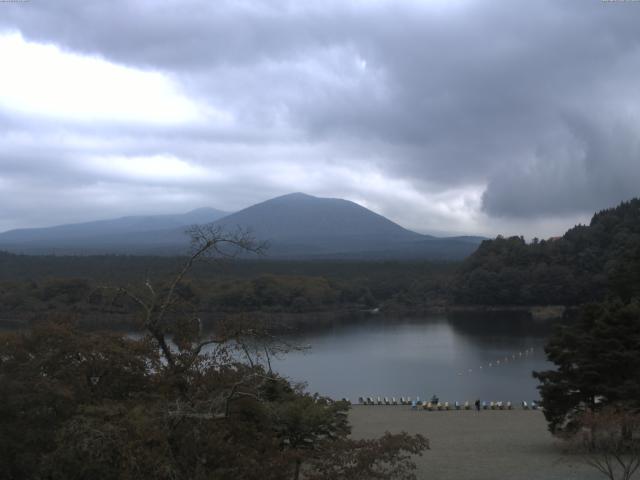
157, 304
609, 442
174, 325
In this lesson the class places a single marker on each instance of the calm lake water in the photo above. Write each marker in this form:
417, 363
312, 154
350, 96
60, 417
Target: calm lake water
421, 356
456, 359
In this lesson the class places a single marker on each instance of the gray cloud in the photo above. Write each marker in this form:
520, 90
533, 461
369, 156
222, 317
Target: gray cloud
471, 113
596, 166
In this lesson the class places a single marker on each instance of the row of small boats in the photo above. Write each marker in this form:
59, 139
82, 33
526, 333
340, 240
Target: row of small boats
437, 405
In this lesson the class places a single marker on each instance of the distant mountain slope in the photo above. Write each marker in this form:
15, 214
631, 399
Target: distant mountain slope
75, 233
300, 225
295, 226
298, 215
587, 263
325, 224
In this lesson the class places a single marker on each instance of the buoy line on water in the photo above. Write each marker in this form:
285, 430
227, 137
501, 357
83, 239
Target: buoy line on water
514, 357
494, 405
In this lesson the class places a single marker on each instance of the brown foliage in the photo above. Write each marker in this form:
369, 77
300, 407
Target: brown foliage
174, 404
388, 457
609, 442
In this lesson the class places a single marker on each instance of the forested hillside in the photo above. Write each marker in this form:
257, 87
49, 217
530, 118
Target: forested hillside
587, 263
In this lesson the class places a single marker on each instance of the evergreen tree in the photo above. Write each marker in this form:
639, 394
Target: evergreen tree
598, 365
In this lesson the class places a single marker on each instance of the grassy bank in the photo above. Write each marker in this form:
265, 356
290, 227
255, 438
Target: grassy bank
466, 445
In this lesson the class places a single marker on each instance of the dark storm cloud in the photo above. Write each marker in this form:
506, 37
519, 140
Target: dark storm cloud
532, 104
597, 166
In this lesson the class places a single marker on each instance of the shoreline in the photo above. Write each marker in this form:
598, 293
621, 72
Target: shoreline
303, 322
536, 312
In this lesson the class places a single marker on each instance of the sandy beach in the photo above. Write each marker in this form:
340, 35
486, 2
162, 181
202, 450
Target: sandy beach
467, 445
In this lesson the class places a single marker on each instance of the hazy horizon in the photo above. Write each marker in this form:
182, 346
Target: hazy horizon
226, 213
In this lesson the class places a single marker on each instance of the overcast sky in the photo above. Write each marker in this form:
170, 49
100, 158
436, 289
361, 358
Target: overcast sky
447, 116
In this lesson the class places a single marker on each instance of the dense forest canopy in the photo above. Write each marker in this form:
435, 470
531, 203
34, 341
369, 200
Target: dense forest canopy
33, 286
585, 264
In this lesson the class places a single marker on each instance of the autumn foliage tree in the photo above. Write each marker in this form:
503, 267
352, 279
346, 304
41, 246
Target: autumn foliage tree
608, 442
174, 403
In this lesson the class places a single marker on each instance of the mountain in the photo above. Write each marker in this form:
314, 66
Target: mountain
303, 222
295, 226
102, 233
299, 225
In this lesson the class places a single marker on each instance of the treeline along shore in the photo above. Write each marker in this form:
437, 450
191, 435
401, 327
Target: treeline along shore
299, 293
287, 295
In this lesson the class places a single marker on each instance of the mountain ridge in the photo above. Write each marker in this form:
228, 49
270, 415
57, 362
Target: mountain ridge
128, 223
301, 216
296, 225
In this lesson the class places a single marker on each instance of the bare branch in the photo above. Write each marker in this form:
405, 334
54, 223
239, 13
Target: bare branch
266, 352
150, 287
608, 441
198, 348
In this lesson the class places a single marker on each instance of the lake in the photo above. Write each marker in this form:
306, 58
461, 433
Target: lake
455, 358
421, 356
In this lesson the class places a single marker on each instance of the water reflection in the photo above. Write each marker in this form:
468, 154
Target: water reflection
425, 356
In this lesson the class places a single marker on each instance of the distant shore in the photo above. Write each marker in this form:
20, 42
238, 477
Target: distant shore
467, 445
536, 312
288, 321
